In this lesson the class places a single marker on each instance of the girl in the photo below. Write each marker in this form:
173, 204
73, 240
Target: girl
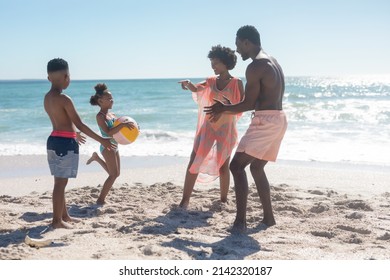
105, 120
215, 138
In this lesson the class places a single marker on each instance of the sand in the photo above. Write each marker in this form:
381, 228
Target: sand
323, 212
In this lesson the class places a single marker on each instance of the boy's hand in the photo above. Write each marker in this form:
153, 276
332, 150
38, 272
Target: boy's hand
108, 145
81, 139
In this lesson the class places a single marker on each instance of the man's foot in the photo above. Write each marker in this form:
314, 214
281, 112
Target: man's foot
268, 222
100, 202
61, 224
94, 157
238, 228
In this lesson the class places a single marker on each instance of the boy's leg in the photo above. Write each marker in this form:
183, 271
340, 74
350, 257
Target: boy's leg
224, 180
59, 203
237, 167
262, 185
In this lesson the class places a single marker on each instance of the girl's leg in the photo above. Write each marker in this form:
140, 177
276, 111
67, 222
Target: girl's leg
95, 157
224, 180
189, 183
113, 171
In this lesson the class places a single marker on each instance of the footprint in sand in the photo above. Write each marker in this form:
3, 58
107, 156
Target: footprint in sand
352, 229
355, 215
355, 204
386, 236
326, 234
319, 208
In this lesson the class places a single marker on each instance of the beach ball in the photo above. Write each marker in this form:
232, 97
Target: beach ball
126, 135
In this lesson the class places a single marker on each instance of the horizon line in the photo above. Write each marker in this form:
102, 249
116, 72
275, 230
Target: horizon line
181, 78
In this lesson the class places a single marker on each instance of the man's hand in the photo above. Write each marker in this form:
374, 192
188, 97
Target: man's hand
215, 111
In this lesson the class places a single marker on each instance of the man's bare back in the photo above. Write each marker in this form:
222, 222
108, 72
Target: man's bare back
271, 79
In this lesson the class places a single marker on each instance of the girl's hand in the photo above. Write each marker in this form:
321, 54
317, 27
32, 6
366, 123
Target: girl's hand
130, 125
81, 139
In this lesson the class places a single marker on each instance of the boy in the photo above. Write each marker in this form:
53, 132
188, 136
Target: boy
62, 146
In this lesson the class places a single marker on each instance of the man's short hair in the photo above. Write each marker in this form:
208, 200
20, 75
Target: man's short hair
250, 33
57, 64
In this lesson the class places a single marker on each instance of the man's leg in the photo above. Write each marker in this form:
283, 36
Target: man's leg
262, 185
237, 167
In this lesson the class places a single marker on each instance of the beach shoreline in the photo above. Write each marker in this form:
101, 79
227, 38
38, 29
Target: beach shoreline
323, 211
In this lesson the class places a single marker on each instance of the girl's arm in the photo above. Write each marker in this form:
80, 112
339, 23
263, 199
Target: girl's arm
101, 120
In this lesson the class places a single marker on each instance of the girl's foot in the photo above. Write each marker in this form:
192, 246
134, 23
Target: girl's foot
94, 157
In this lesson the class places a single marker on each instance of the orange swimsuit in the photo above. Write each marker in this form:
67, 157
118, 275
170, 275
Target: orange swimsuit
214, 142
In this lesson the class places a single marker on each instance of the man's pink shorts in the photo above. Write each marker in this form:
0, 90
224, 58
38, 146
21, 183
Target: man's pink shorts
265, 133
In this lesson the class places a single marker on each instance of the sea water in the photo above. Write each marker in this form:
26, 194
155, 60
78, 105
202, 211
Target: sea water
331, 119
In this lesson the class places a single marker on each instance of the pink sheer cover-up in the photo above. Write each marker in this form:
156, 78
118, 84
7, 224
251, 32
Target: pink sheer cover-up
214, 142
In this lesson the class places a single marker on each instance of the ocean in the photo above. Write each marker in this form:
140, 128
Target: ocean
331, 119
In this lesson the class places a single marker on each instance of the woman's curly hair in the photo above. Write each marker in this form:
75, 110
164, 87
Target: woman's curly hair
225, 55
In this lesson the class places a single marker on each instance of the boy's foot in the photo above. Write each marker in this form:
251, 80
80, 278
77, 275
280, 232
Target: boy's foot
61, 224
94, 157
71, 219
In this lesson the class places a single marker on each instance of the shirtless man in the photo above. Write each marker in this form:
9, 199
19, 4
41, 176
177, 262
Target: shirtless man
62, 144
263, 93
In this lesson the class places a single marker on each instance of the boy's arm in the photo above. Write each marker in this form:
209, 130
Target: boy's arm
75, 118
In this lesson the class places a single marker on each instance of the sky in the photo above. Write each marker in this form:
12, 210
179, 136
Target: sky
128, 39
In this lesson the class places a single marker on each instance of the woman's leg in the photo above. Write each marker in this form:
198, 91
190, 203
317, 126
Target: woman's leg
224, 180
189, 183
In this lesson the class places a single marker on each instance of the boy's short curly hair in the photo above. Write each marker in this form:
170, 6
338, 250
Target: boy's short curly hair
225, 55
57, 64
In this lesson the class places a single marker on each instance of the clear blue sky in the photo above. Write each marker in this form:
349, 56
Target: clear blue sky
125, 39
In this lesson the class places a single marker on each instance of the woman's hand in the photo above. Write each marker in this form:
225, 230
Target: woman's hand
185, 84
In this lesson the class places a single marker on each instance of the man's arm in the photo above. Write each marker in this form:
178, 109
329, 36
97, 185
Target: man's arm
252, 91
